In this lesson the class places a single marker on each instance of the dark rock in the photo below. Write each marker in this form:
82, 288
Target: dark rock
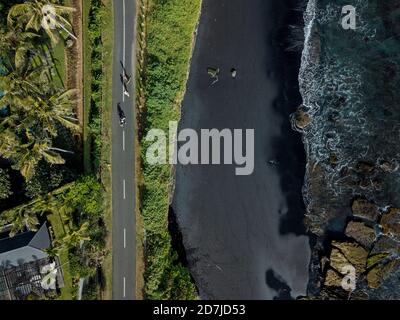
379, 273
333, 159
375, 259
352, 253
337, 260
359, 295
301, 119
385, 244
361, 233
362, 208
365, 167
333, 279
390, 222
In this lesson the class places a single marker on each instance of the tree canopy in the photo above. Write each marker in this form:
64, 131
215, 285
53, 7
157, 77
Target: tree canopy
5, 185
37, 107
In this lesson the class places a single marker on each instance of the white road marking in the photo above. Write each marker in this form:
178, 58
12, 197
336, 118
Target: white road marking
124, 238
123, 53
123, 140
123, 45
124, 182
124, 288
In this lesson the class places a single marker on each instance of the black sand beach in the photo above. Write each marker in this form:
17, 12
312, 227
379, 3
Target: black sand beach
244, 236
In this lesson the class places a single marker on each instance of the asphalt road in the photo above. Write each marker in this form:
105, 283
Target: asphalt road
123, 155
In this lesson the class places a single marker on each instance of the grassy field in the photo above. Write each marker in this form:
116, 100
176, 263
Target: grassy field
170, 30
58, 55
59, 230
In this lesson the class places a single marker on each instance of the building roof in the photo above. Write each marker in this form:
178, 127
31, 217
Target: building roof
24, 247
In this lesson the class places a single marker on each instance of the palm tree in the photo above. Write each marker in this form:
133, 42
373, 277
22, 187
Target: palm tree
94, 255
32, 13
26, 155
57, 109
74, 238
20, 81
32, 153
20, 219
17, 225
65, 211
53, 251
18, 41
25, 135
36, 108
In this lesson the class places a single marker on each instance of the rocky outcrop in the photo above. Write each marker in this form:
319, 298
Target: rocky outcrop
301, 119
380, 272
385, 244
390, 223
362, 208
373, 255
347, 253
361, 233
333, 278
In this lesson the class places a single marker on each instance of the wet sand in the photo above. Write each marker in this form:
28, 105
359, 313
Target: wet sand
243, 235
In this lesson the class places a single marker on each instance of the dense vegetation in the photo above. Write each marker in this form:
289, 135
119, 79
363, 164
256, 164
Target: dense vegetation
5, 185
171, 25
98, 56
37, 115
84, 219
96, 20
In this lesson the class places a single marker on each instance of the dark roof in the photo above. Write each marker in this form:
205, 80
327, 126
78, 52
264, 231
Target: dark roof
41, 239
24, 247
18, 241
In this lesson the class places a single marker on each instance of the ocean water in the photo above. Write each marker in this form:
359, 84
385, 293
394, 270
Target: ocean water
350, 82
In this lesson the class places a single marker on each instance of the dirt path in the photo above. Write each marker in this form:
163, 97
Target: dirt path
74, 70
